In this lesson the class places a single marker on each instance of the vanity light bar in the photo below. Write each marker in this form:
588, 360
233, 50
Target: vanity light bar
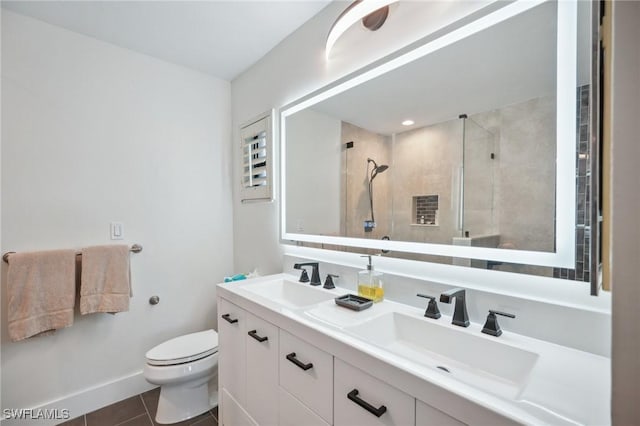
355, 12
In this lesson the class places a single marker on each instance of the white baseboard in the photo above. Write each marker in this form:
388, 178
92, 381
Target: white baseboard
86, 401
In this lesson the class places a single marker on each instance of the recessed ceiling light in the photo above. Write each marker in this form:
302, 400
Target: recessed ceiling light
408, 123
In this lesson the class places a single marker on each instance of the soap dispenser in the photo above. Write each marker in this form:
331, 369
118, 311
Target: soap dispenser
370, 283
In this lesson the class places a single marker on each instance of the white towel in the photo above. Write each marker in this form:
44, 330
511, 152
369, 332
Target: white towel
105, 279
41, 292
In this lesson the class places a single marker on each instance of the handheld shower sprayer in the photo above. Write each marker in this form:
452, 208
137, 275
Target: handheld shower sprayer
370, 224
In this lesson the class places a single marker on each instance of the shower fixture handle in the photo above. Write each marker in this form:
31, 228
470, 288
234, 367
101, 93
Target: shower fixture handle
491, 326
432, 310
328, 282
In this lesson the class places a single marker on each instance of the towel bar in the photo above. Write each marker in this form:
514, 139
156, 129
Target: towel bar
136, 248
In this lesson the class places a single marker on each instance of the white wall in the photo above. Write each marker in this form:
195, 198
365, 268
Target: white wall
314, 162
93, 133
625, 204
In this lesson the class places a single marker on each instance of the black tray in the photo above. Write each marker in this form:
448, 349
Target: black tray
351, 301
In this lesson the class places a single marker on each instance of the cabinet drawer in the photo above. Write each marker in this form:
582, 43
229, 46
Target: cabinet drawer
231, 349
233, 414
295, 413
262, 370
306, 372
426, 415
361, 399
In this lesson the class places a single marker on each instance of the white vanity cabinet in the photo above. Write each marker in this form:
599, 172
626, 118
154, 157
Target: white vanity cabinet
232, 343
233, 412
426, 415
295, 413
290, 356
262, 370
248, 365
361, 399
306, 372
270, 376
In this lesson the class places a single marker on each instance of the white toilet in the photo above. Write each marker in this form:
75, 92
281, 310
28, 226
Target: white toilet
184, 367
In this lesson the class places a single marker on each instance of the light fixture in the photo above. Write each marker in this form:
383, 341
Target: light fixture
373, 14
408, 123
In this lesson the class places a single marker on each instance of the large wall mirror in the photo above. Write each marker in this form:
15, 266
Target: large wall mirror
465, 149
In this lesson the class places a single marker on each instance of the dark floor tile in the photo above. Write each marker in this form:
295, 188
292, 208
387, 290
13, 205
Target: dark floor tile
150, 399
215, 412
117, 413
142, 420
78, 421
189, 422
207, 421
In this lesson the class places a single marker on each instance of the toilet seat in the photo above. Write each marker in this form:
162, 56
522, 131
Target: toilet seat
183, 349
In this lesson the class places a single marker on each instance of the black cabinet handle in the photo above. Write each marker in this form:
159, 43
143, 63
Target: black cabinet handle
292, 357
253, 334
353, 396
228, 319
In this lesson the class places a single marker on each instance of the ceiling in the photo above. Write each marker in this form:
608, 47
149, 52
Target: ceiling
220, 38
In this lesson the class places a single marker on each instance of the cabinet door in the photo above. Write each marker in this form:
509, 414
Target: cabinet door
306, 372
295, 413
426, 415
262, 370
361, 399
233, 413
232, 349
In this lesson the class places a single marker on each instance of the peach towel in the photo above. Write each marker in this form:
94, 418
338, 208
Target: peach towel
104, 281
41, 292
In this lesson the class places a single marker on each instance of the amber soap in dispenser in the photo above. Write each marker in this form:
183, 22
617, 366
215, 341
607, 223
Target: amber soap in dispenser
370, 283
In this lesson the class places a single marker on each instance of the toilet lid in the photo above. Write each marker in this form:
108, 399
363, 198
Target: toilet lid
187, 348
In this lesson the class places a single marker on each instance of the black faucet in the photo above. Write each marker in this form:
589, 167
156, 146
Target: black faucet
460, 316
315, 274
432, 308
491, 326
328, 283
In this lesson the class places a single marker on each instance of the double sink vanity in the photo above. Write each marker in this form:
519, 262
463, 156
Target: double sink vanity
289, 355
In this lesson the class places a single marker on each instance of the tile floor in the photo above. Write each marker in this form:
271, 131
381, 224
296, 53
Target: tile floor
139, 410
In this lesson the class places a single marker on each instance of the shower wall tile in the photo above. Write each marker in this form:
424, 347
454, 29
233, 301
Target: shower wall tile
583, 193
366, 144
426, 159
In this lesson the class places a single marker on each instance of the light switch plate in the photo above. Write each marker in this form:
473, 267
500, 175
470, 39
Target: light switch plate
117, 231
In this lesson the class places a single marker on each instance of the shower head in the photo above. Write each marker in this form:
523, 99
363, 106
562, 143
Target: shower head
376, 169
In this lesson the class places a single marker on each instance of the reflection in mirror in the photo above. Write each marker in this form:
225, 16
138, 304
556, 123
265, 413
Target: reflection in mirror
455, 148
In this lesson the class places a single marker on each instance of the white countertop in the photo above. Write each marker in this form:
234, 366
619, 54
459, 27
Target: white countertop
566, 386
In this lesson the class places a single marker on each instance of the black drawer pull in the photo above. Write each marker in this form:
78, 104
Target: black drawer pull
353, 396
253, 334
292, 357
228, 319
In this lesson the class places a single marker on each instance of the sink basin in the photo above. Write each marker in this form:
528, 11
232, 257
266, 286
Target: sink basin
474, 360
290, 294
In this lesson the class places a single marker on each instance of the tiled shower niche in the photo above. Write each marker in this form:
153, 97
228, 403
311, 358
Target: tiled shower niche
425, 210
